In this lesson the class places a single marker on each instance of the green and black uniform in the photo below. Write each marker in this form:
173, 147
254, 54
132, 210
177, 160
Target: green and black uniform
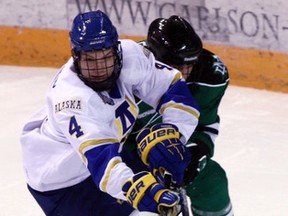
207, 82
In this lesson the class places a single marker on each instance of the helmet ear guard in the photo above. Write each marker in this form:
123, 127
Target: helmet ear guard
174, 41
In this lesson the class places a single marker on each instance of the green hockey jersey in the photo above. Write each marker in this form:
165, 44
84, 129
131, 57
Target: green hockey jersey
207, 82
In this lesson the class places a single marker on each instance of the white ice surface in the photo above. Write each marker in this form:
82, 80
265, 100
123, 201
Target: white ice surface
252, 146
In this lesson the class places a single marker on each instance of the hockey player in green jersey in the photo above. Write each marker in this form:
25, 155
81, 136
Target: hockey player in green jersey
174, 42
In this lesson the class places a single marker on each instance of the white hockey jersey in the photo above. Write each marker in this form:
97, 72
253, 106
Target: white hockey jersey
80, 132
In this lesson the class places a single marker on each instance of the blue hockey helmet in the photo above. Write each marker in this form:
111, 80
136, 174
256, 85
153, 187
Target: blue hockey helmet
94, 32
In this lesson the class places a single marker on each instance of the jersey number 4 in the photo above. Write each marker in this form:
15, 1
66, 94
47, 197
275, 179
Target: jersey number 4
74, 127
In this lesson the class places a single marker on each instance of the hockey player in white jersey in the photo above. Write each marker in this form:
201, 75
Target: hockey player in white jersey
72, 147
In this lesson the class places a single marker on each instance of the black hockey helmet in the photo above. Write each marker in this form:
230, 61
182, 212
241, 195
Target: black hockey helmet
174, 41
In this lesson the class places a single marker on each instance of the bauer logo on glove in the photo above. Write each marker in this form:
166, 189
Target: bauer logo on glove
150, 139
160, 148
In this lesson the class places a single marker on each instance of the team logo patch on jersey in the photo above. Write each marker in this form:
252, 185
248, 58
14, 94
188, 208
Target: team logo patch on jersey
106, 99
219, 66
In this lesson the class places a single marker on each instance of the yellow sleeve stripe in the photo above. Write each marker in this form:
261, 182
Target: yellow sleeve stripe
111, 165
90, 143
181, 107
177, 77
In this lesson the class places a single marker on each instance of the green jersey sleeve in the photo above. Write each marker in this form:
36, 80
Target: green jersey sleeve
208, 82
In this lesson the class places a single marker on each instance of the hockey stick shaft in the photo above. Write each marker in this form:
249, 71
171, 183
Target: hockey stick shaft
167, 184
185, 206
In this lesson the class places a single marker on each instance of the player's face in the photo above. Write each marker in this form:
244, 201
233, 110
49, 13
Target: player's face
185, 69
97, 66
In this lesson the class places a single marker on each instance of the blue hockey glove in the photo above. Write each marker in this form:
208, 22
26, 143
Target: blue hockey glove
161, 149
144, 193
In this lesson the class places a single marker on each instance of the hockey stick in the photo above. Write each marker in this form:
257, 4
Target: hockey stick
166, 211
186, 210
